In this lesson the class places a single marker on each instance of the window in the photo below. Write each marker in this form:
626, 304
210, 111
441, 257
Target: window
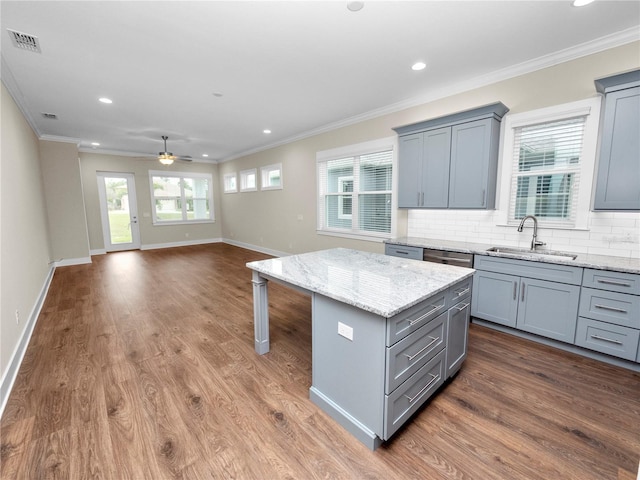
248, 180
271, 177
230, 182
181, 197
355, 190
549, 157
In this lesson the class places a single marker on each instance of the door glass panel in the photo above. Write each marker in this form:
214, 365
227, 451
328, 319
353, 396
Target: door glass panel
118, 207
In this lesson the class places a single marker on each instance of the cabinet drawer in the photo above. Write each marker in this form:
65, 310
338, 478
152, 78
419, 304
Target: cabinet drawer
408, 397
618, 308
607, 338
459, 292
525, 268
403, 251
412, 352
415, 317
612, 281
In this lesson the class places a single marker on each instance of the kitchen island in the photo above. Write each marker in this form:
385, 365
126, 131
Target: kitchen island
386, 332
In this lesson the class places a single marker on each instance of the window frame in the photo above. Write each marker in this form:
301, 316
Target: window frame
590, 109
357, 150
264, 173
244, 174
225, 184
183, 198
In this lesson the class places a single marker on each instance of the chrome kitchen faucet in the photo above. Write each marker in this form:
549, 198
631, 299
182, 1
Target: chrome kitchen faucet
534, 243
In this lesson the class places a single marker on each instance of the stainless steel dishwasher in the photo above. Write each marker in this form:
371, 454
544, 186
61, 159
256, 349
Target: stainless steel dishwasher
448, 258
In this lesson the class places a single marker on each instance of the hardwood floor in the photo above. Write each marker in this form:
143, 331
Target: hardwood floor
142, 366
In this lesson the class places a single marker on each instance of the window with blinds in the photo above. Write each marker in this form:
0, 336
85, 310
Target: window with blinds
354, 194
546, 172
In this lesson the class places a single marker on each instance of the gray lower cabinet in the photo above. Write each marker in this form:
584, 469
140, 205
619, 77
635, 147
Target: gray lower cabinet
531, 303
372, 379
618, 174
403, 251
609, 319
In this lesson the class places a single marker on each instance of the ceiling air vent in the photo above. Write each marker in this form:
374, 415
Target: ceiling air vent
24, 41
50, 116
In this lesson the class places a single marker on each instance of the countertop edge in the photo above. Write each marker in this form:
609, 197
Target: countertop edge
596, 262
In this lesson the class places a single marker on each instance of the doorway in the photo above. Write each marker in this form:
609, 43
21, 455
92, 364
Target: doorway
119, 211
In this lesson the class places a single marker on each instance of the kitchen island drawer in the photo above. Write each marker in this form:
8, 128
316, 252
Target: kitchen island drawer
612, 281
408, 355
404, 251
617, 308
408, 397
460, 292
415, 317
607, 338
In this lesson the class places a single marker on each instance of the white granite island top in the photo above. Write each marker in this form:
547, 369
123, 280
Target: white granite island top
381, 284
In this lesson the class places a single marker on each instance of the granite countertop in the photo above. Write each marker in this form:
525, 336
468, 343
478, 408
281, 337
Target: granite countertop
599, 262
377, 283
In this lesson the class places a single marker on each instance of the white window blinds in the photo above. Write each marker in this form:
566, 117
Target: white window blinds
546, 171
354, 194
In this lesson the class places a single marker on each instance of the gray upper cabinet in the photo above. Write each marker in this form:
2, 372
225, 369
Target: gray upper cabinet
618, 177
450, 162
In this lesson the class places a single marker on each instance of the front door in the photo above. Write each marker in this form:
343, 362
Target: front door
119, 211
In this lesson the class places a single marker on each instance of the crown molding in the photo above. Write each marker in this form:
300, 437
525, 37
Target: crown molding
11, 84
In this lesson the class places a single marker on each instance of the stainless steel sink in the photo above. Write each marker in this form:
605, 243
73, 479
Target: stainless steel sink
525, 252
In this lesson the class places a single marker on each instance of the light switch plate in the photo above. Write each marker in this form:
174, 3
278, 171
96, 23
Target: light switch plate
345, 330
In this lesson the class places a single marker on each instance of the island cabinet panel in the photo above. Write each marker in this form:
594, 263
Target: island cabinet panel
371, 373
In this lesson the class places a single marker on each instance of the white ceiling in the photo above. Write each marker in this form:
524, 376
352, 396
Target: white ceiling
295, 68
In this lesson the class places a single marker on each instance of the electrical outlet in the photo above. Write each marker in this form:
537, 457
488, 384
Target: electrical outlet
17, 317
345, 330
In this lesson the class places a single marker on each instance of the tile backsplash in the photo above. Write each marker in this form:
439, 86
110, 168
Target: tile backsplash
608, 233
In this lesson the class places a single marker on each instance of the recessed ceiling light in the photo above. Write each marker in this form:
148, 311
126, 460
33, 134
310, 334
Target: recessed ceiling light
95, 144
581, 3
217, 94
105, 100
355, 6
205, 155
266, 131
418, 66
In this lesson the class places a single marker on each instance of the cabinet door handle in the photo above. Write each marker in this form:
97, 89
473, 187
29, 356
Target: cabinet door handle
433, 379
522, 296
484, 196
418, 199
461, 308
607, 307
459, 293
610, 340
613, 282
422, 201
515, 290
421, 318
433, 340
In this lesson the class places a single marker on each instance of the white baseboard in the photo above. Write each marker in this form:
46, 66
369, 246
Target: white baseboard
256, 248
154, 246
65, 262
9, 376
98, 251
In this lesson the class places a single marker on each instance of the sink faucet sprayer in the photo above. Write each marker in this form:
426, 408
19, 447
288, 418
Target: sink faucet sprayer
534, 243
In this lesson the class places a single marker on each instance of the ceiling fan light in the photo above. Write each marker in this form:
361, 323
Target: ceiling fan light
166, 158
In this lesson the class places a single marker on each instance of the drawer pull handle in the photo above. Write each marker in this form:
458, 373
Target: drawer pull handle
610, 340
613, 282
461, 308
401, 252
459, 293
433, 379
433, 340
419, 319
613, 309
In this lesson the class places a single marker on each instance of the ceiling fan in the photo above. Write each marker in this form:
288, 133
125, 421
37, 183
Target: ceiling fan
167, 158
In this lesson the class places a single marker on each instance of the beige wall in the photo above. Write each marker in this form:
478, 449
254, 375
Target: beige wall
269, 219
65, 206
150, 235
24, 238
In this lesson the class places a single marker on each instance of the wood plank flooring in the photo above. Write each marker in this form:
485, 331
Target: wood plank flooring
142, 366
